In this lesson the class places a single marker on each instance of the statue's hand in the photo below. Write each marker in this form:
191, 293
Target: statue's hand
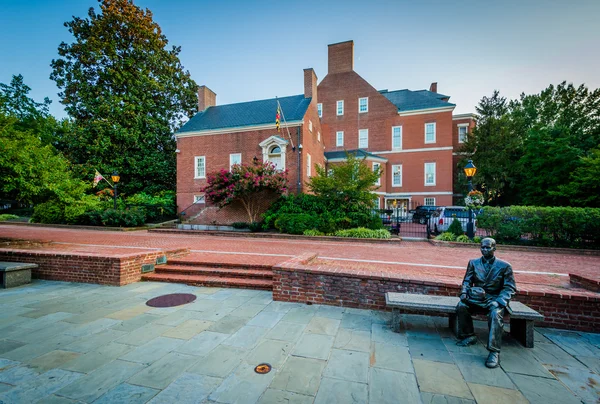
494, 305
463, 297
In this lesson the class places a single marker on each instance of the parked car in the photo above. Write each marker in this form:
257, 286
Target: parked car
443, 217
422, 213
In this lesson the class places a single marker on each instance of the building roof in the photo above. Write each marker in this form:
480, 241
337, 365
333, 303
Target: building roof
407, 100
251, 113
357, 152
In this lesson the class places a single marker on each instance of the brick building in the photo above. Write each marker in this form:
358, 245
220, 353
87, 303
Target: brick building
411, 135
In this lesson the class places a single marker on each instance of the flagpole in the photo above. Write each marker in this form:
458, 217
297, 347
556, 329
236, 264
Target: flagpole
103, 177
286, 126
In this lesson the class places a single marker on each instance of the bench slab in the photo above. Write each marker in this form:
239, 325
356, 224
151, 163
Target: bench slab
16, 273
521, 320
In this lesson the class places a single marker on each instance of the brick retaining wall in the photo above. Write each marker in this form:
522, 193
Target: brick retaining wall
296, 281
115, 270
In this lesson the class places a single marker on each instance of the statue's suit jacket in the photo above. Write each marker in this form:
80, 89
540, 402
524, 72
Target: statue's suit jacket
498, 282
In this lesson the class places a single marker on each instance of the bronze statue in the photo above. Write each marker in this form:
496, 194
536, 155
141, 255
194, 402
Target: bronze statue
487, 288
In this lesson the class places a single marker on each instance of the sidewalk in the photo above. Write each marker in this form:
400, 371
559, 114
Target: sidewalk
89, 343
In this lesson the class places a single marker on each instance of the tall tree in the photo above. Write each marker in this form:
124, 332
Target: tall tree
126, 92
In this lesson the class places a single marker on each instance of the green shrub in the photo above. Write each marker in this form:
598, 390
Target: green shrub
362, 232
477, 239
312, 232
446, 236
123, 218
295, 223
6, 216
159, 206
239, 225
456, 228
463, 238
255, 227
48, 212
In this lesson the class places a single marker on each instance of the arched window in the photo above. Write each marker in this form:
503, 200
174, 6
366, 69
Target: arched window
275, 157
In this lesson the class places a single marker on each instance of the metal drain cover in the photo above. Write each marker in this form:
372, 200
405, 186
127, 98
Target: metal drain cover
172, 300
263, 368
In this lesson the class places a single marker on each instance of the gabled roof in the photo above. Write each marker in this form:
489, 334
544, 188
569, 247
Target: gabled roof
360, 153
407, 100
247, 114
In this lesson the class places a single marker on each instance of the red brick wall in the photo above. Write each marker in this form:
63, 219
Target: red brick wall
296, 281
115, 271
311, 143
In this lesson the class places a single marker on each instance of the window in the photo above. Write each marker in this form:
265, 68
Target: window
275, 157
430, 132
235, 158
376, 166
429, 173
200, 167
363, 138
340, 107
339, 139
396, 137
308, 164
199, 199
320, 110
462, 133
397, 176
429, 201
377, 203
363, 104
319, 136
310, 126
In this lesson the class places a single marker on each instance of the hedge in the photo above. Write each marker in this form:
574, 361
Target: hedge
543, 226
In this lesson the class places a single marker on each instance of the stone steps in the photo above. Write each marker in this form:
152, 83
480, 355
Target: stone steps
246, 273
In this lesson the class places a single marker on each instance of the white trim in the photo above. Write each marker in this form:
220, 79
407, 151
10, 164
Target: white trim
407, 194
231, 163
336, 138
434, 132
364, 131
196, 176
460, 154
378, 182
308, 165
463, 125
425, 111
268, 144
235, 129
424, 149
397, 148
368, 158
463, 116
367, 105
337, 109
434, 174
380, 193
394, 185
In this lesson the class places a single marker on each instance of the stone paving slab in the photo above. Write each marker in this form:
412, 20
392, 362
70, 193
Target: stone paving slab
207, 350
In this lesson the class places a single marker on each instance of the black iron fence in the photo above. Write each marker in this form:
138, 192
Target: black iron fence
403, 222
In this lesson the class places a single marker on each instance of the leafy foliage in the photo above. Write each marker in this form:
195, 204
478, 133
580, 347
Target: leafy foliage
244, 183
362, 232
446, 236
295, 223
6, 216
456, 228
126, 93
313, 232
463, 239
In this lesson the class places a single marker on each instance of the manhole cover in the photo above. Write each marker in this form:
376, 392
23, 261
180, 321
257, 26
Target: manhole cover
263, 368
174, 299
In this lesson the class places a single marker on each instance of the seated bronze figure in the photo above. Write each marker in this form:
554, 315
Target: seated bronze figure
487, 288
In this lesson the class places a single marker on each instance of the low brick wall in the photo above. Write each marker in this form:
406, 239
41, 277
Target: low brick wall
585, 282
115, 270
296, 281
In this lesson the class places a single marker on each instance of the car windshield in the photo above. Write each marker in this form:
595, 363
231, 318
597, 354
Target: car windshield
459, 213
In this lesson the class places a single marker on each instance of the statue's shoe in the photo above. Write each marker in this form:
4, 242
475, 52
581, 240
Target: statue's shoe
493, 360
467, 341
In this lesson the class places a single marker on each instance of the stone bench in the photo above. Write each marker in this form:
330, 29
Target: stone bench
521, 321
15, 273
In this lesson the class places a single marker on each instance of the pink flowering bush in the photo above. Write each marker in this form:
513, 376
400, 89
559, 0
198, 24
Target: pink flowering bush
245, 183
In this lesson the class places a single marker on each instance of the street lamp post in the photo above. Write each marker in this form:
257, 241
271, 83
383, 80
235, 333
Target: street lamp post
115, 179
470, 171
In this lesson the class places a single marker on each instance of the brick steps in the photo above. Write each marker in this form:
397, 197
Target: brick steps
214, 271
207, 262
214, 281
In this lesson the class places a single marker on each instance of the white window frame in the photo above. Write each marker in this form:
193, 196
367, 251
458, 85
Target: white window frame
366, 133
319, 137
196, 171
339, 107
320, 110
231, 157
378, 203
400, 130
430, 199
398, 168
337, 138
431, 184
308, 165
199, 199
434, 132
376, 166
366, 100
310, 125
460, 126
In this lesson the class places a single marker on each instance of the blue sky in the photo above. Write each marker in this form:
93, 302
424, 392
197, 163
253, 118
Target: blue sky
247, 50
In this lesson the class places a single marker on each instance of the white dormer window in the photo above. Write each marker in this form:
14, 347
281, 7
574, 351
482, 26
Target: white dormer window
340, 108
310, 126
430, 132
363, 104
320, 110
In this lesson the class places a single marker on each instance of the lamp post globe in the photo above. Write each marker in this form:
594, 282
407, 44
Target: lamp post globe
470, 171
115, 179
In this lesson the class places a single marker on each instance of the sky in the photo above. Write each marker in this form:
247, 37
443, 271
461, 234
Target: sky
251, 50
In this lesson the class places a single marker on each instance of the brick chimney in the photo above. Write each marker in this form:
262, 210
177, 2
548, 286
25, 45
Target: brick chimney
206, 98
310, 84
433, 87
340, 57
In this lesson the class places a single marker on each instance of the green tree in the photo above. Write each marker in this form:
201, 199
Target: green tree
584, 188
348, 185
126, 92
